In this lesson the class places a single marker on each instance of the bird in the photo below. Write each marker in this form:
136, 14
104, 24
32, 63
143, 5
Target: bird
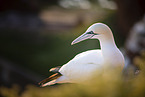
82, 67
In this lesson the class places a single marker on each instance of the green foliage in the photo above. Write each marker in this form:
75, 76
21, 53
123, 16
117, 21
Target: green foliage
110, 84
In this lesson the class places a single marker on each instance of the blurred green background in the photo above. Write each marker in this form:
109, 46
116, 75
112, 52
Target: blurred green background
36, 35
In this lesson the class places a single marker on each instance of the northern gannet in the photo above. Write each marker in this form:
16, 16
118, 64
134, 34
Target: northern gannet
83, 65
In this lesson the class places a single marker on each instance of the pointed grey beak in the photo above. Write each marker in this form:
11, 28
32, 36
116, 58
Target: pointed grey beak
86, 35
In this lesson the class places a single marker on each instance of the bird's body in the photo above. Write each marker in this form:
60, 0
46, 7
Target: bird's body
83, 65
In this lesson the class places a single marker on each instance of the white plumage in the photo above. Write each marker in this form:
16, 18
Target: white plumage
83, 65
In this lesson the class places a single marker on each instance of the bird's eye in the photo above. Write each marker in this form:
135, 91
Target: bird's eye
91, 32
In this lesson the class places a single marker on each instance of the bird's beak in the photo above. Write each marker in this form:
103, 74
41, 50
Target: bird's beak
86, 35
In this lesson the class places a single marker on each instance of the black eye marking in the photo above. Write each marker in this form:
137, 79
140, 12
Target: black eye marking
91, 32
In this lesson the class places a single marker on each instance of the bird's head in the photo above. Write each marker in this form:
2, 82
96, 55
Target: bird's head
95, 31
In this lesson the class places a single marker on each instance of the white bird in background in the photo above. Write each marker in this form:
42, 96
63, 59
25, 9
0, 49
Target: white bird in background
83, 65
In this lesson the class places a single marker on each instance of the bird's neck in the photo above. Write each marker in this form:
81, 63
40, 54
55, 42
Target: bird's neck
109, 49
107, 43
111, 54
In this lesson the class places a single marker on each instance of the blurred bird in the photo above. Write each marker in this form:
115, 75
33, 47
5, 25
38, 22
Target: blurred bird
83, 66
134, 45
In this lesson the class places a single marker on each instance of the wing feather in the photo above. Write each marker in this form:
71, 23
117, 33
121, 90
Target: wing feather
51, 78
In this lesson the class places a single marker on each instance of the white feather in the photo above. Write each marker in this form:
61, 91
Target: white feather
83, 65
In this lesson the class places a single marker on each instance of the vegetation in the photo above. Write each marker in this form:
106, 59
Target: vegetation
110, 84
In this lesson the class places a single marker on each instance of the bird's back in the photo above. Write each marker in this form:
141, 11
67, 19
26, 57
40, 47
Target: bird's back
83, 65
